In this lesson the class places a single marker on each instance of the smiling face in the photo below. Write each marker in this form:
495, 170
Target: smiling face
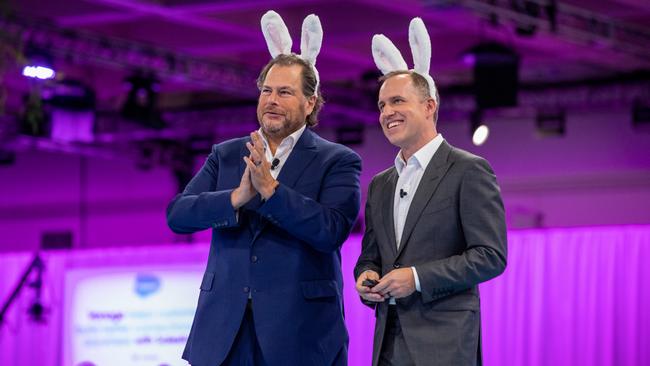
406, 117
282, 107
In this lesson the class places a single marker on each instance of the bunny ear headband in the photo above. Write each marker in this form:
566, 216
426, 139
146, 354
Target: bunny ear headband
279, 42
388, 58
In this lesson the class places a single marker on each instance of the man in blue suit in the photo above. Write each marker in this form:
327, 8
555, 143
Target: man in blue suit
280, 204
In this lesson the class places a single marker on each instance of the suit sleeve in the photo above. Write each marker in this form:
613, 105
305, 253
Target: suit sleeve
483, 226
200, 207
324, 224
370, 258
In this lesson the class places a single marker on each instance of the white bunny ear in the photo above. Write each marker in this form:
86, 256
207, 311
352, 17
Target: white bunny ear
387, 56
276, 34
312, 39
420, 46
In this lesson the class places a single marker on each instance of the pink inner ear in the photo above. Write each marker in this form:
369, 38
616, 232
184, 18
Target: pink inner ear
416, 50
384, 60
275, 38
306, 36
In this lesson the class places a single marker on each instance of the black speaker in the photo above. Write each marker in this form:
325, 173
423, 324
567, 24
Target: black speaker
496, 76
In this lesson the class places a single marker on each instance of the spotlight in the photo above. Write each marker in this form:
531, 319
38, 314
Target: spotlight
39, 65
142, 101
39, 72
480, 131
480, 135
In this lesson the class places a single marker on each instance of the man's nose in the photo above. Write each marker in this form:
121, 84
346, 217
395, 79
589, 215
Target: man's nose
272, 98
386, 111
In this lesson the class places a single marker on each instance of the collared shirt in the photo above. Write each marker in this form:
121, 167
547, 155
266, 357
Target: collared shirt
283, 150
410, 173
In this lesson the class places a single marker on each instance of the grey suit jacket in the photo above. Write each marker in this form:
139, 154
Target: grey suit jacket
455, 236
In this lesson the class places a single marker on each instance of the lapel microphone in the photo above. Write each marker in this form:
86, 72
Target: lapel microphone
402, 193
275, 163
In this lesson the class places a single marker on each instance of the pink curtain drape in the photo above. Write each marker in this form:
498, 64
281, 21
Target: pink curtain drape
571, 296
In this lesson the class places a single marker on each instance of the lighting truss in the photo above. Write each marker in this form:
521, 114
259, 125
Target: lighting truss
122, 54
571, 23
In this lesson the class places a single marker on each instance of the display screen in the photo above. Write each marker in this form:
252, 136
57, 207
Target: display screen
130, 316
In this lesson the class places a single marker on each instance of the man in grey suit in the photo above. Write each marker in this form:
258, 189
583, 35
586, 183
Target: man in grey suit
435, 229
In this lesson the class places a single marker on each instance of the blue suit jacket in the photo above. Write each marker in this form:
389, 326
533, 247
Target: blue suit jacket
285, 252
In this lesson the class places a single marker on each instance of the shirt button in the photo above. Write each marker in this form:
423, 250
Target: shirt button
254, 259
396, 265
247, 289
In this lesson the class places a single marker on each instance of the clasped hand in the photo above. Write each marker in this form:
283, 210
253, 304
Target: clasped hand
397, 283
257, 176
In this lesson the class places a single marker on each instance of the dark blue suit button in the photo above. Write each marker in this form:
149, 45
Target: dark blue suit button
254, 258
396, 265
247, 289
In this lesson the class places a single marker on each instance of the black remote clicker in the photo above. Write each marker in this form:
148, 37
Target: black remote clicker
369, 283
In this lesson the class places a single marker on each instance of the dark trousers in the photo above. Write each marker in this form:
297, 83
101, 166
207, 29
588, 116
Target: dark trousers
245, 350
394, 351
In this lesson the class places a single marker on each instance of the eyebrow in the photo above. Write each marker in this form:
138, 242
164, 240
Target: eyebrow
282, 87
391, 99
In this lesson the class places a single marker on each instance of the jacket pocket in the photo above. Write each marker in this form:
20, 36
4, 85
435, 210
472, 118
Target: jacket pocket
319, 289
208, 278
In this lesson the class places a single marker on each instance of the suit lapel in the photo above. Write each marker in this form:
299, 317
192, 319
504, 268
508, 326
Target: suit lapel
432, 177
387, 208
301, 155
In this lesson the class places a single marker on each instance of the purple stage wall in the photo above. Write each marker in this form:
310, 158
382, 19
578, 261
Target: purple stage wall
570, 296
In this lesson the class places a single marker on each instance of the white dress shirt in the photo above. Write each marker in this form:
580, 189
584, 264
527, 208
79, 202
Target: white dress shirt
410, 173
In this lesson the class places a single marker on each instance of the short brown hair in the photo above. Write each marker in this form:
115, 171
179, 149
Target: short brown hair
308, 82
421, 85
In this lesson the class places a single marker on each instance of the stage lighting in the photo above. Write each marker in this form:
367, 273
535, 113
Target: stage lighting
39, 72
72, 106
480, 135
142, 101
39, 65
480, 131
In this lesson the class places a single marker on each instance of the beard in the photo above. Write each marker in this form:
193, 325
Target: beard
283, 124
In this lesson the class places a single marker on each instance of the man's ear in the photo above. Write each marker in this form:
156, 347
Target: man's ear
311, 102
431, 106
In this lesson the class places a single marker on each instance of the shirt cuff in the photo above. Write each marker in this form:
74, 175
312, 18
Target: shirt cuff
417, 279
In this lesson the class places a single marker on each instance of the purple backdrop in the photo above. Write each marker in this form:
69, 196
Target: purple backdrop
572, 296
